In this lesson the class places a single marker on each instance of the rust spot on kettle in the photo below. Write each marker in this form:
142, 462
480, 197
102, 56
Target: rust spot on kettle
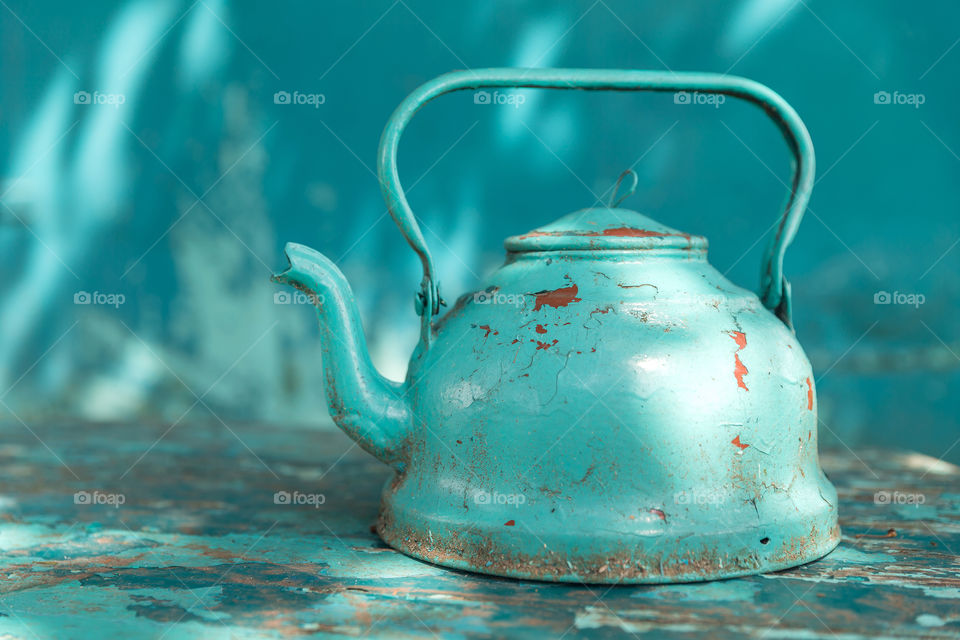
488, 556
630, 232
809, 395
589, 473
736, 442
544, 345
540, 329
556, 297
509, 523
487, 328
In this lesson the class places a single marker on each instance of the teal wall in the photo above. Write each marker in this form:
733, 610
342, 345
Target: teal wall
103, 197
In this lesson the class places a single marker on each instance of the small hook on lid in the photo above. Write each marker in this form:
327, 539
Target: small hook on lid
614, 201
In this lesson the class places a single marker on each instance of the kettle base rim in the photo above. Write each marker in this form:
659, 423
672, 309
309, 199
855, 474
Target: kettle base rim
721, 556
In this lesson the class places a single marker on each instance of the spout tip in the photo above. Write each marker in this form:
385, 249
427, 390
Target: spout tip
282, 276
293, 253
309, 270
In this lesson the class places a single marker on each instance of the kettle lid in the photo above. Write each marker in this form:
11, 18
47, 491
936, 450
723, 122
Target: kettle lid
604, 228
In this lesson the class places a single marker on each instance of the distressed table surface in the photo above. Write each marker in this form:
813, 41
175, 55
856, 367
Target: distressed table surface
200, 548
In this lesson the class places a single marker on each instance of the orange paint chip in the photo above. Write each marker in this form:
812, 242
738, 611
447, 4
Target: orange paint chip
739, 369
556, 297
736, 442
740, 338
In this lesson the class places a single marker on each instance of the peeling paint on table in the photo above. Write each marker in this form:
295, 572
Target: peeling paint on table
261, 532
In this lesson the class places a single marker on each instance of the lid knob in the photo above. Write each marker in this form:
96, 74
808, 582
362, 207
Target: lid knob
614, 201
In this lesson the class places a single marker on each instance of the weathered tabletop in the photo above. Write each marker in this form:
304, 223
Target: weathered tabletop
200, 548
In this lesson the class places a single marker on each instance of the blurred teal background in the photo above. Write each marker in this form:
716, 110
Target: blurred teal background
149, 180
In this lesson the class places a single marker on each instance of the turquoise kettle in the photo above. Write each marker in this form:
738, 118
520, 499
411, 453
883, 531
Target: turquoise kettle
606, 407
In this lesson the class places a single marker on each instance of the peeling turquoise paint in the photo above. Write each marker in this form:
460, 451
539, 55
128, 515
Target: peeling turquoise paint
723, 591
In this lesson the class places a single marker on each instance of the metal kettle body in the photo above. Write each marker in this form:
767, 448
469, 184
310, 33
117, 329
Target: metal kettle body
608, 407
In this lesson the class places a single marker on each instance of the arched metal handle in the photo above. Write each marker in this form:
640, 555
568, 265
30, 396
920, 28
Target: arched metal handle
774, 289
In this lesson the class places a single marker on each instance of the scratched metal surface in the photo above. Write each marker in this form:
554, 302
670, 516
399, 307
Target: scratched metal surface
201, 549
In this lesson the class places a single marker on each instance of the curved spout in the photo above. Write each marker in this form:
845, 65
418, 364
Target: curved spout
367, 406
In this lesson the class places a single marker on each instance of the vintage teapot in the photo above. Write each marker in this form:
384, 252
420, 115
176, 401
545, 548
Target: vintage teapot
608, 407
